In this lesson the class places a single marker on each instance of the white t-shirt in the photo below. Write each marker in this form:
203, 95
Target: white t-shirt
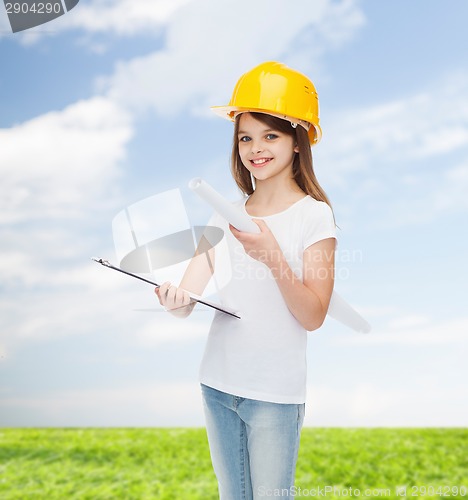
263, 355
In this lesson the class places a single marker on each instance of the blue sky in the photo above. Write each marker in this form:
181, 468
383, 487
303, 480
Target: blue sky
109, 104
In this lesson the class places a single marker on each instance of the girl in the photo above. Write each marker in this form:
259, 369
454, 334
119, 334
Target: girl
253, 372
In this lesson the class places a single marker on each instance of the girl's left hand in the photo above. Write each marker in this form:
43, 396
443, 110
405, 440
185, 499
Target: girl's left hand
262, 247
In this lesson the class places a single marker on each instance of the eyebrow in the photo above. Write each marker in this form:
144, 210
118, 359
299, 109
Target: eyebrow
266, 130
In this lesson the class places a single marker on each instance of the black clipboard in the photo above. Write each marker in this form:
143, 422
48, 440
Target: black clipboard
194, 297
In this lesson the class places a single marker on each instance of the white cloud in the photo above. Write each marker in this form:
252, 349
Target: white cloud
196, 24
451, 195
421, 403
408, 152
409, 321
46, 304
174, 404
56, 163
414, 331
399, 131
458, 174
209, 44
121, 17
16, 266
56, 171
152, 404
30, 317
430, 195
378, 311
110, 17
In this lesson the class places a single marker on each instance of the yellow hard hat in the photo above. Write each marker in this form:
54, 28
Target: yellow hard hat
273, 88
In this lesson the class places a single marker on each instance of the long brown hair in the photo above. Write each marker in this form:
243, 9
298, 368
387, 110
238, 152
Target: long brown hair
303, 170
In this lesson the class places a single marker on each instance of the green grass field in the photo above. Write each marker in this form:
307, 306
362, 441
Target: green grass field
99, 463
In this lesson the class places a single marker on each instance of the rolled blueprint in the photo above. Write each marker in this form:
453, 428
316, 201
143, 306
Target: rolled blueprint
339, 309
232, 214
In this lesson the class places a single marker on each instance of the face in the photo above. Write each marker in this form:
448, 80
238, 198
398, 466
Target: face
265, 152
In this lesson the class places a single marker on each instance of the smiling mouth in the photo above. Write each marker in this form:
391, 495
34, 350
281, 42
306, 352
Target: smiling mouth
260, 162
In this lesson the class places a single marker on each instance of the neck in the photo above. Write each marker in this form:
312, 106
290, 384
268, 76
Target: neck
271, 191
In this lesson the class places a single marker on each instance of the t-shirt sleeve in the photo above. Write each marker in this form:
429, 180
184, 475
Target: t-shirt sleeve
319, 224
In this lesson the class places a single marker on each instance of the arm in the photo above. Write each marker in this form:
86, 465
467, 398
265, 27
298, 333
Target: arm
308, 300
197, 275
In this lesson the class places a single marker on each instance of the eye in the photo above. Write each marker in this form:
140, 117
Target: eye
271, 137
245, 138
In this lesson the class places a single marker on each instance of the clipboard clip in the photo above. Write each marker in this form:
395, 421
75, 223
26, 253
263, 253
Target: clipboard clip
101, 261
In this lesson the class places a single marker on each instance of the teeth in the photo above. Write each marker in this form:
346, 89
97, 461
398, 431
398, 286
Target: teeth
259, 162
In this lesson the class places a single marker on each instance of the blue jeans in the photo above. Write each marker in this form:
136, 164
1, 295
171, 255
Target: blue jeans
253, 445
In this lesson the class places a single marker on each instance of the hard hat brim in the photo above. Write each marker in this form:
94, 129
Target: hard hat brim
230, 113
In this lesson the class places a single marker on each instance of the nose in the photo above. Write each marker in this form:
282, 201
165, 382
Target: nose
256, 148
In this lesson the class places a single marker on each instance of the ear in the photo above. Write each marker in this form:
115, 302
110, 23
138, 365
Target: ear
296, 148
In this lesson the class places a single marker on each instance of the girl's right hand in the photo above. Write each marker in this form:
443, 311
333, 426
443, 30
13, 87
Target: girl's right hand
171, 297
